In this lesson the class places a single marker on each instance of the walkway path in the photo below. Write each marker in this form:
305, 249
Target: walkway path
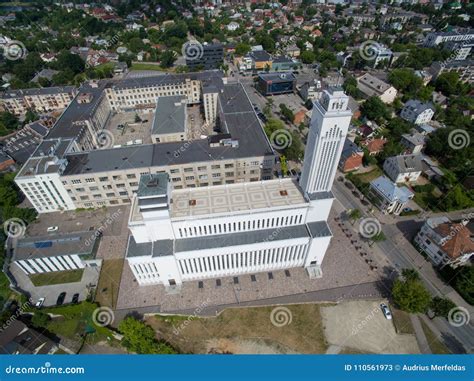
420, 335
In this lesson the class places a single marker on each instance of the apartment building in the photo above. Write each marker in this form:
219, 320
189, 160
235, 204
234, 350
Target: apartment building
464, 68
68, 171
41, 100
436, 38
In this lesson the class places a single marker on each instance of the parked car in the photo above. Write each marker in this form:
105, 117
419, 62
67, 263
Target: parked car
61, 298
75, 298
386, 311
52, 229
40, 303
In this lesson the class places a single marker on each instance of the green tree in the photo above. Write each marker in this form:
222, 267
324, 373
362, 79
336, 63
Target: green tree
140, 338
242, 49
373, 108
410, 274
287, 113
167, 58
441, 306
308, 57
354, 215
40, 319
410, 295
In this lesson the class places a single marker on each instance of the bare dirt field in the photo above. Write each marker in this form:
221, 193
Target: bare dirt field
361, 326
289, 329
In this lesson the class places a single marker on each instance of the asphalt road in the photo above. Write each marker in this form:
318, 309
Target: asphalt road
401, 254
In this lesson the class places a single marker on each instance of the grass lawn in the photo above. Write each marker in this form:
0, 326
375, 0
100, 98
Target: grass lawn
73, 322
436, 346
109, 282
402, 322
149, 66
245, 330
369, 176
57, 277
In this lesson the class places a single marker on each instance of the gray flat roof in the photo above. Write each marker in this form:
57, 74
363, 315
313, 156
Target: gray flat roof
37, 91
79, 243
161, 248
170, 115
242, 238
67, 125
319, 229
277, 77
237, 117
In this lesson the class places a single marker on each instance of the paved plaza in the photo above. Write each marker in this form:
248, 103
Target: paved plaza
344, 269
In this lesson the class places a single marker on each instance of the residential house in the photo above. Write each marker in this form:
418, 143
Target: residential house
417, 112
375, 145
387, 196
19, 339
351, 157
431, 169
413, 142
372, 86
293, 51
446, 242
403, 168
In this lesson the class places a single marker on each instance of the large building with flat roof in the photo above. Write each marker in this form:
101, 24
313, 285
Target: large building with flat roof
276, 83
44, 99
74, 168
181, 235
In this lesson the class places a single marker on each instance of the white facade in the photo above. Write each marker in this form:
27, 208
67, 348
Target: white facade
228, 230
417, 112
328, 129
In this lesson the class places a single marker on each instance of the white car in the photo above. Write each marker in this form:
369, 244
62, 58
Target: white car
386, 311
39, 303
52, 229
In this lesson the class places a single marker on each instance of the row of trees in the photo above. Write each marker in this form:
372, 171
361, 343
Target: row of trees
410, 295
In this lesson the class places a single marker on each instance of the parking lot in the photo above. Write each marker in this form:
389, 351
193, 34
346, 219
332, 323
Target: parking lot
361, 326
132, 132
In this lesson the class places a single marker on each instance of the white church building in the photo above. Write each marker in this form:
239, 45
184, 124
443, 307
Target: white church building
181, 235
